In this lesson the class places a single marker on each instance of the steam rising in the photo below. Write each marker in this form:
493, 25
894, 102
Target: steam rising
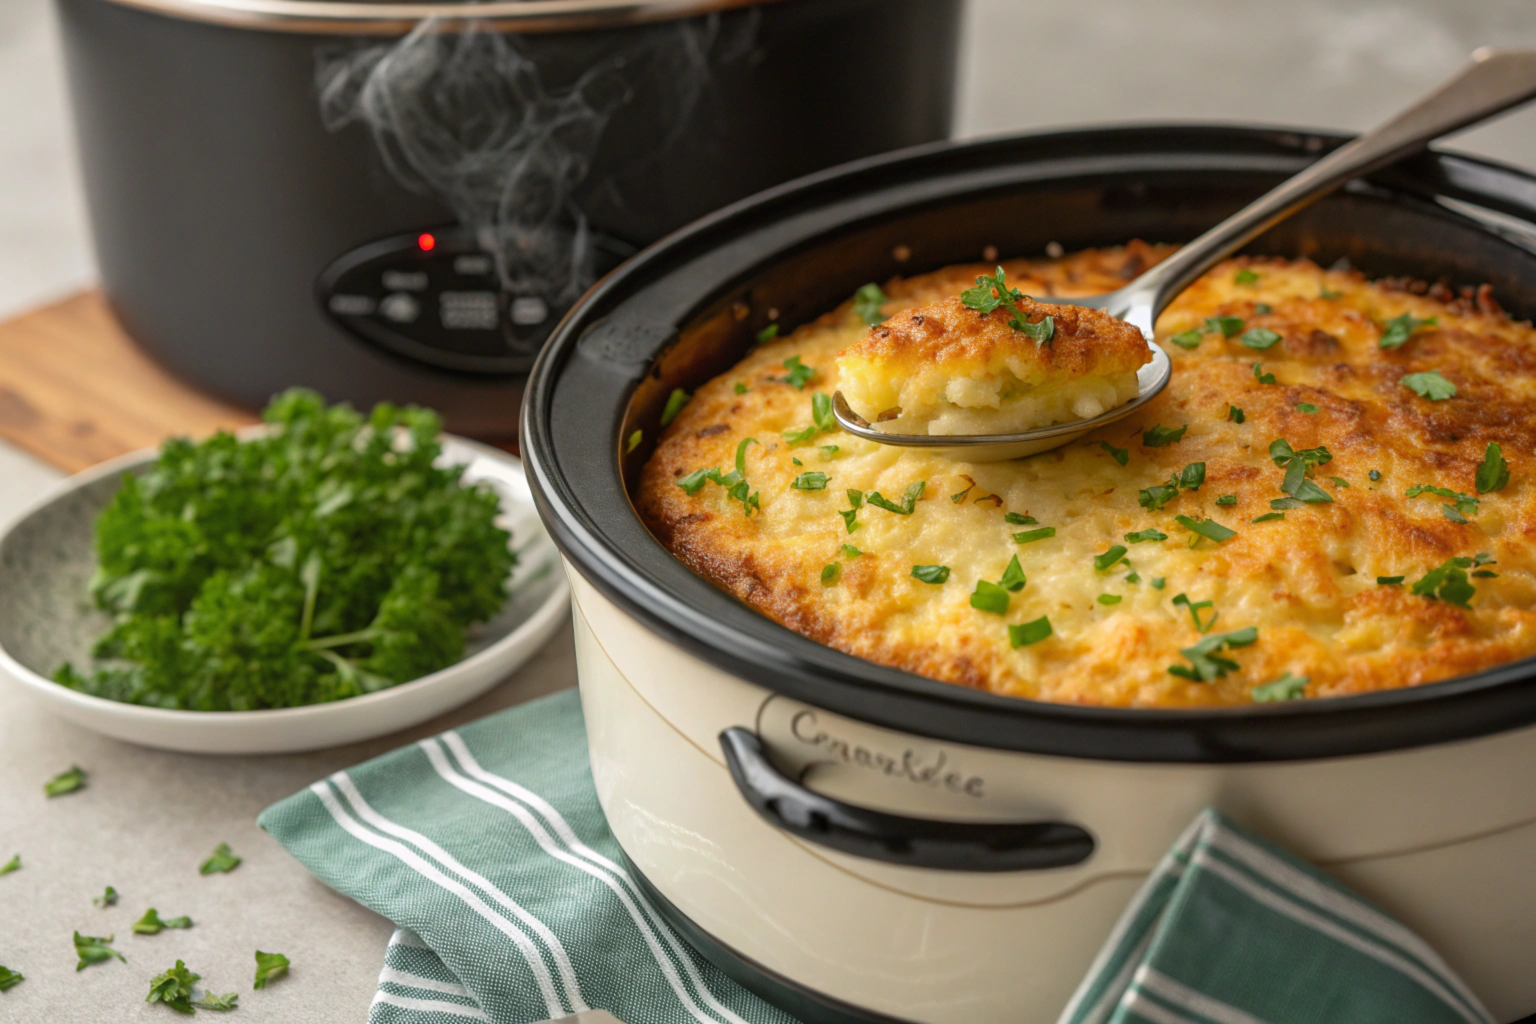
465, 114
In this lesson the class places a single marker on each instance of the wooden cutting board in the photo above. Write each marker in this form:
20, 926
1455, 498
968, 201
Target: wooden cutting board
74, 390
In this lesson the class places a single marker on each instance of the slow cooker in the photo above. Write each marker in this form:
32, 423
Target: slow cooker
857, 843
395, 200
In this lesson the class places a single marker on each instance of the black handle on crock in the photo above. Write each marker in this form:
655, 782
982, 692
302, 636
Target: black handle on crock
894, 838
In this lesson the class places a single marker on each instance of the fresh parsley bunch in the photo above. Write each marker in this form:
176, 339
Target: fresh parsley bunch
328, 558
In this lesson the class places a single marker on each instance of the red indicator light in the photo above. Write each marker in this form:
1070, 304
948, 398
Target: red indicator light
426, 241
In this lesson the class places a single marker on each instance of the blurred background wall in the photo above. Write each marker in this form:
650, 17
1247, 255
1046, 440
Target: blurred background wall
1029, 64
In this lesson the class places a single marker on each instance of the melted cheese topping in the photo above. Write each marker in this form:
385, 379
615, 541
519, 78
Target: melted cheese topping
943, 368
1307, 582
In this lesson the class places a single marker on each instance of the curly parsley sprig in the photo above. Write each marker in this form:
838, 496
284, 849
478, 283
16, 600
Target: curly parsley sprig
993, 292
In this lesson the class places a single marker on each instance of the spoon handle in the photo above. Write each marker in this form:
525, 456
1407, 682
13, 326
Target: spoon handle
1495, 81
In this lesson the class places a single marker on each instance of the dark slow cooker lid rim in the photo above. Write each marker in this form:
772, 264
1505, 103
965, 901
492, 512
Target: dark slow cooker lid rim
787, 662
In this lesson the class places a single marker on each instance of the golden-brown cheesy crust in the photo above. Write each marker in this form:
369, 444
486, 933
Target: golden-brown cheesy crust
1307, 582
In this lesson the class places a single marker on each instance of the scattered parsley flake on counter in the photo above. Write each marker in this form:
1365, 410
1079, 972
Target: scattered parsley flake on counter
867, 302
1260, 376
1208, 528
1145, 535
1028, 633
106, 899
1259, 338
1268, 517
1195, 608
1227, 325
94, 950
1187, 339
269, 966
1430, 385
1287, 687
1029, 536
14, 864
1206, 663
151, 923
1234, 413
223, 859
1245, 276
1155, 497
1493, 471
830, 572
1399, 329
65, 782
1013, 576
173, 987
1192, 476
1158, 435
814, 480
1390, 581
1120, 455
675, 402
634, 441
1227, 499
1108, 599
741, 388
990, 597
849, 551
1448, 583
1109, 558
9, 979
799, 374
221, 1003
908, 500
768, 333
931, 573
1306, 407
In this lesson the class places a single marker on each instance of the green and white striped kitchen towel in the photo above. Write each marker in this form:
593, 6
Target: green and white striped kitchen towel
487, 848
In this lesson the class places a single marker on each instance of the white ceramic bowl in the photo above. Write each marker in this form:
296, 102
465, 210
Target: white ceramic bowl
46, 618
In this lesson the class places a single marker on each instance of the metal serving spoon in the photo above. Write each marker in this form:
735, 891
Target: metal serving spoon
1495, 81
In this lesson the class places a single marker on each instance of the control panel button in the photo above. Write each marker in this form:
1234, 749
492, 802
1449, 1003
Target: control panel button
343, 304
405, 280
400, 307
528, 310
474, 311
473, 265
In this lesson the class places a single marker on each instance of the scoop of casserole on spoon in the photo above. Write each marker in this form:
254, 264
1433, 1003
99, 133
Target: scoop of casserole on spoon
981, 372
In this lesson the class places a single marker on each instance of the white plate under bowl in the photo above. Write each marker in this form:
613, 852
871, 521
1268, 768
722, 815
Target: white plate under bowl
47, 617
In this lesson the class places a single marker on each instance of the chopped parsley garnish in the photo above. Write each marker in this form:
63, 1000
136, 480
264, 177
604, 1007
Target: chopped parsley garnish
796, 462
821, 411
1195, 608
829, 450
1390, 581
1109, 558
931, 573
693, 482
1339, 481
1158, 583
151, 923
814, 480
1235, 414
1374, 474
1463, 504
1245, 276
1449, 581
1284, 504
1187, 339
850, 518
1029, 632
1430, 385
269, 966
1206, 663
1259, 338
855, 498
1155, 497
1018, 519
796, 438
106, 899
830, 572
867, 302
1493, 471
741, 388
1227, 325
1329, 293
1208, 528
210, 1001
799, 374
1263, 308
223, 859
1108, 599
849, 551
1029, 536
1287, 687
1297, 465
675, 402
65, 782
634, 441
767, 334
1192, 476
1133, 577
173, 987
993, 292
1268, 517
1120, 455
94, 950
1145, 535
735, 483
1399, 329
1260, 376
1158, 435
1306, 407
1013, 576
14, 864
9, 979
990, 597
908, 500
1227, 499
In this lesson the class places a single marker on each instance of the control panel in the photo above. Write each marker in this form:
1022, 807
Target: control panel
435, 296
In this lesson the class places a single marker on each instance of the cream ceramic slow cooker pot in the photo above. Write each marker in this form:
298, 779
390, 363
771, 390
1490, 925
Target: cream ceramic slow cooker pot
860, 844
